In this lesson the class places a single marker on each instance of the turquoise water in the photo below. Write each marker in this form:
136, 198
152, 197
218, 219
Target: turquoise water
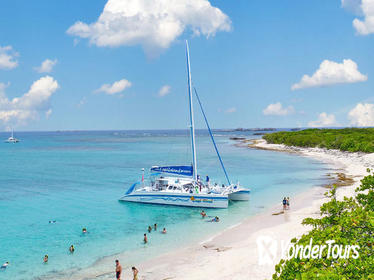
76, 179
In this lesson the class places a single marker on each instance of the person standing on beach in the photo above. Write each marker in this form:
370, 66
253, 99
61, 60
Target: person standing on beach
145, 238
118, 270
288, 203
284, 203
155, 227
135, 273
149, 229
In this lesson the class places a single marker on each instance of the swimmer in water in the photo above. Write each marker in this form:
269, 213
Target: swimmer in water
203, 214
5, 265
215, 219
145, 238
52, 222
149, 229
72, 249
164, 231
84, 230
155, 227
45, 259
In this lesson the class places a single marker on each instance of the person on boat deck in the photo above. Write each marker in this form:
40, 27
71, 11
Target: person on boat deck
5, 265
118, 270
149, 229
164, 230
155, 227
135, 273
145, 238
284, 203
45, 259
203, 214
72, 249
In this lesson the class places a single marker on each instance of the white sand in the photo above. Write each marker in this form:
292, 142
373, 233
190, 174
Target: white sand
233, 254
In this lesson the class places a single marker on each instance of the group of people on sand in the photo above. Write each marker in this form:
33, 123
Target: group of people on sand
286, 203
203, 215
119, 271
145, 238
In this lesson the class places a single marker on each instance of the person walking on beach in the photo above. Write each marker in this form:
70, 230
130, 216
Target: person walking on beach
288, 203
135, 273
118, 270
284, 203
145, 238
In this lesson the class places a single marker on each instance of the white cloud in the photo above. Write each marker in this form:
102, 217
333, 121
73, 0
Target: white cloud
7, 58
230, 110
366, 26
330, 73
362, 115
20, 110
152, 24
165, 90
353, 6
114, 88
323, 120
82, 102
48, 113
46, 66
277, 109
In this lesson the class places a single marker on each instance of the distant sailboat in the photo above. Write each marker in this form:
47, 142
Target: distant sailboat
185, 189
12, 139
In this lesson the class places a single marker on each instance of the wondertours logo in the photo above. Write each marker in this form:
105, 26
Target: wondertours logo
269, 248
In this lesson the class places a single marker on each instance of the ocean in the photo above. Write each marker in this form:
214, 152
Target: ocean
76, 178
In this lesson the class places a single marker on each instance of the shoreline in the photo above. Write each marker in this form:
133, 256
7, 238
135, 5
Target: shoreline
233, 252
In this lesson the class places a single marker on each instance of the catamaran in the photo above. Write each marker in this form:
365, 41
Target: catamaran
180, 184
12, 139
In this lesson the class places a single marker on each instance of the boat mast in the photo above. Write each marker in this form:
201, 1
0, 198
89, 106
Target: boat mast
192, 125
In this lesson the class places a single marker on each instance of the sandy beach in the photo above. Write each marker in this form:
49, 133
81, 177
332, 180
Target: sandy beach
234, 253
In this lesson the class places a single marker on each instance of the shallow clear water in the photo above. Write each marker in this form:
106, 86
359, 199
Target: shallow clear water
76, 178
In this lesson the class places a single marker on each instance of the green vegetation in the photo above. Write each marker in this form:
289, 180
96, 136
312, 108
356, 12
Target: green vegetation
347, 222
347, 139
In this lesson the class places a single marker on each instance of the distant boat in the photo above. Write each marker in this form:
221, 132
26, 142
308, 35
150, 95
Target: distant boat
12, 139
186, 189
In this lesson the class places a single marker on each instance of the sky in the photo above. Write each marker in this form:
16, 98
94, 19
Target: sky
120, 64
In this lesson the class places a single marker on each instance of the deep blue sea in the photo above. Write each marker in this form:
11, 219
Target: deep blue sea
76, 178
